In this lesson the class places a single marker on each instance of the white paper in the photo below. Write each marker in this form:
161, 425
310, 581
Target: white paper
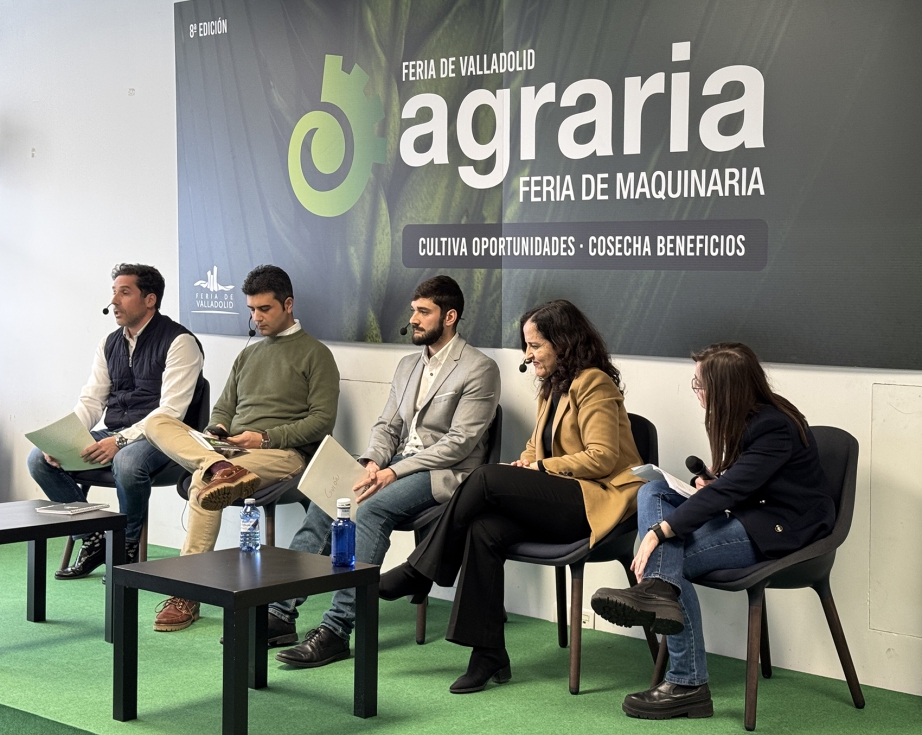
71, 509
652, 473
331, 474
65, 440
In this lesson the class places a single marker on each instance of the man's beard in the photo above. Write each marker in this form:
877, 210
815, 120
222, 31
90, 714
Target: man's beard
430, 337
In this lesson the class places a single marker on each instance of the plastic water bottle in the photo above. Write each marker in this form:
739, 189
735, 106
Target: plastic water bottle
249, 526
343, 543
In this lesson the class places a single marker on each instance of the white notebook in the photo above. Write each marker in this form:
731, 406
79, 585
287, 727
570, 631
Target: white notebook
652, 473
331, 475
71, 509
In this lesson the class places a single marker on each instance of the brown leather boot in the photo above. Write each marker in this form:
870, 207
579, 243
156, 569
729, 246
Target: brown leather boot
175, 614
227, 486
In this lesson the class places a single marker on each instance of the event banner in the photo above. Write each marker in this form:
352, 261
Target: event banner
685, 172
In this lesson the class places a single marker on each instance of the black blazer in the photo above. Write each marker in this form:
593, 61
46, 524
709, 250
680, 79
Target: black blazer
777, 489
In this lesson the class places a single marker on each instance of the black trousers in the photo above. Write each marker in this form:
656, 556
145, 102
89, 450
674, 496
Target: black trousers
495, 507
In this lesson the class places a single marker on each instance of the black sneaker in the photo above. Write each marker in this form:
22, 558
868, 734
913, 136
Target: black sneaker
281, 633
321, 646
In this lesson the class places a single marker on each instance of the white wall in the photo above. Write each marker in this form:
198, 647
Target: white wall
88, 179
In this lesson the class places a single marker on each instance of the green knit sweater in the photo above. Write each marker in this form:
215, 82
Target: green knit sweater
286, 386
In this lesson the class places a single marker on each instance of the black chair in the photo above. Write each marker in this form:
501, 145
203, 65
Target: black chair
420, 523
164, 477
809, 567
283, 492
617, 545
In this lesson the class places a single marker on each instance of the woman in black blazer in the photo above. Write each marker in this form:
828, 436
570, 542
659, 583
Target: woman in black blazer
770, 498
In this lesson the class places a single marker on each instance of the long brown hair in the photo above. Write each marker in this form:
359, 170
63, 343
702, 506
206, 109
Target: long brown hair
576, 341
735, 388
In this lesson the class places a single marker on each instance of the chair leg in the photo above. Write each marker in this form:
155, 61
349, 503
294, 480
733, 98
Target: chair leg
838, 637
560, 576
765, 654
142, 544
68, 552
270, 524
652, 643
756, 601
422, 608
576, 624
659, 668
421, 621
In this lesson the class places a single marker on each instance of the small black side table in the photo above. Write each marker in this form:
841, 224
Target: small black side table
19, 521
243, 583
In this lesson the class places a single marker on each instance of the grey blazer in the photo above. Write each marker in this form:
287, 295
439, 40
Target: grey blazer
452, 423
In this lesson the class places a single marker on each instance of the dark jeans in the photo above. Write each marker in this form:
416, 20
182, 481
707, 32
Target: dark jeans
495, 507
132, 469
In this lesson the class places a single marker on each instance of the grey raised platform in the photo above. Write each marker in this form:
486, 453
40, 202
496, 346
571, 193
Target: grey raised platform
19, 521
243, 584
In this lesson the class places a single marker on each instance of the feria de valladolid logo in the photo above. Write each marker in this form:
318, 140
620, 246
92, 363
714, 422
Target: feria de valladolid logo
213, 298
345, 91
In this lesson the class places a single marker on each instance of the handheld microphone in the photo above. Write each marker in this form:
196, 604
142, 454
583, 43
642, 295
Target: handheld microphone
697, 467
403, 330
251, 331
522, 367
105, 309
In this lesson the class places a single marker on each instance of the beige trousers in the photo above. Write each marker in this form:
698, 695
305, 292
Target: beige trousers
172, 437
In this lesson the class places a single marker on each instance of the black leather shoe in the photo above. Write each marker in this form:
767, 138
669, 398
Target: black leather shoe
404, 581
92, 555
281, 633
668, 700
653, 603
485, 664
321, 646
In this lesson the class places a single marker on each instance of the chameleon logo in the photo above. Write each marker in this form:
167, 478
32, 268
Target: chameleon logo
328, 146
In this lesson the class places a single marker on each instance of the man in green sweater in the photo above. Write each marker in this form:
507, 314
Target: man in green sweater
279, 403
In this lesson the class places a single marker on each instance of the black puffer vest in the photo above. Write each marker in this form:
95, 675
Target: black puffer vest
136, 383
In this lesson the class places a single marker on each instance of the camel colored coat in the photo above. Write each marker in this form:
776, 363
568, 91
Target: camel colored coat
593, 444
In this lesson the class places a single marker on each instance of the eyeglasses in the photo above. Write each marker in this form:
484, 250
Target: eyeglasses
696, 386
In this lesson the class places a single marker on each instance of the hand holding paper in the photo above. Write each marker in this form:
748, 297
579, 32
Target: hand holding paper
66, 441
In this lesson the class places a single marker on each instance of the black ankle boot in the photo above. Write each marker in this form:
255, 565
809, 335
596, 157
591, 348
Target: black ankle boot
92, 554
404, 581
485, 664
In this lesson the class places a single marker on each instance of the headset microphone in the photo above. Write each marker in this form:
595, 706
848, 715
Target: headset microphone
106, 308
252, 331
522, 367
403, 330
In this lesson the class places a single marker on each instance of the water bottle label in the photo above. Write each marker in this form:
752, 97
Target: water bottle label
249, 524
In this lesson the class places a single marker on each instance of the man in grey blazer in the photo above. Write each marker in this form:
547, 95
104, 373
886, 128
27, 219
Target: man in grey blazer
431, 435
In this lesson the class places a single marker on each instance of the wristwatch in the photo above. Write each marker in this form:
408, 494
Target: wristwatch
266, 444
658, 530
120, 441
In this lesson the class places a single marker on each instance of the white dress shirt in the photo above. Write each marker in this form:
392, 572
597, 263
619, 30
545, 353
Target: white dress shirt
432, 366
184, 362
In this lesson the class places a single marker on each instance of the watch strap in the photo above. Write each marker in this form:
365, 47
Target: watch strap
658, 530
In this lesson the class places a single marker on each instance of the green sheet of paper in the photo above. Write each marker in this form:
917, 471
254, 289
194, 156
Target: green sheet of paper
64, 440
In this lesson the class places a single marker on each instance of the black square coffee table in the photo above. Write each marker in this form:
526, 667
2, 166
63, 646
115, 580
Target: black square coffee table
19, 521
243, 584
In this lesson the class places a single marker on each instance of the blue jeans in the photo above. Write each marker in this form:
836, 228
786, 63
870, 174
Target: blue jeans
721, 543
132, 468
375, 518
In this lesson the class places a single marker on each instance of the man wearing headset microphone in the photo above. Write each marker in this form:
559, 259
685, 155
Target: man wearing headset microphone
430, 436
278, 404
149, 366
